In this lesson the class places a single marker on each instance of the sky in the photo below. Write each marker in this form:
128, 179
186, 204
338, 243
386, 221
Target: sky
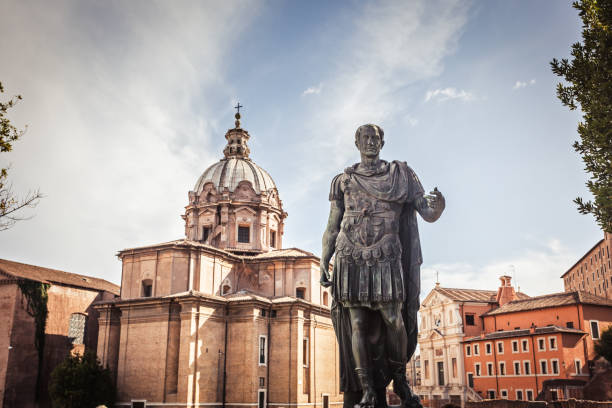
127, 103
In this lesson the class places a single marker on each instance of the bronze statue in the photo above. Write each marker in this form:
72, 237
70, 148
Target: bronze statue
375, 283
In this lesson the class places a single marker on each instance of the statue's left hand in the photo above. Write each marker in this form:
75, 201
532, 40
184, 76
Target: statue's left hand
436, 200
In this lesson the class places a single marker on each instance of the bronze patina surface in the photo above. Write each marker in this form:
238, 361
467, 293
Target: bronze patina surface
375, 283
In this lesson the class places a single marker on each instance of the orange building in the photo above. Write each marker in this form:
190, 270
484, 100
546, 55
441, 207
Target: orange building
593, 272
528, 341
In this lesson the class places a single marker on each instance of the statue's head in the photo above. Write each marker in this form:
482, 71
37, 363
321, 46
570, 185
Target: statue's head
369, 139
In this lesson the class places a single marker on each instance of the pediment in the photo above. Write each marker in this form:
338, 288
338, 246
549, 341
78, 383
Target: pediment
435, 298
435, 334
206, 211
245, 208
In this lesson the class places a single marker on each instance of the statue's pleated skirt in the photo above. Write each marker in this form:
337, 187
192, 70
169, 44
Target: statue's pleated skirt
360, 283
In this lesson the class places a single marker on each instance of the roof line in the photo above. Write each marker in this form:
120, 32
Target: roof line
583, 256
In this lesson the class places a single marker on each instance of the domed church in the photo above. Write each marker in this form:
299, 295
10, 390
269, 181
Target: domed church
235, 204
225, 317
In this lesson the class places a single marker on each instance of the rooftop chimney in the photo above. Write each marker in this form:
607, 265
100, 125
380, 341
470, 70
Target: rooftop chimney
506, 292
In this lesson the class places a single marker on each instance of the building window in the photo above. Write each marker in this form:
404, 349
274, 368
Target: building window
468, 351
578, 366
552, 342
519, 395
440, 373
226, 289
517, 368
300, 293
273, 239
305, 352
515, 348
470, 380
525, 345
491, 394
541, 344
502, 368
469, 320
477, 369
554, 395
500, 347
147, 288
569, 325
504, 394
454, 364
262, 381
76, 328
476, 350
489, 369
244, 235
595, 329
555, 366
261, 399
488, 348
426, 365
527, 366
529, 394
263, 354
205, 233
325, 298
543, 367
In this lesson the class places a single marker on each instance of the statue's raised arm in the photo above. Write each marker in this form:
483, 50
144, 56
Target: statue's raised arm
430, 207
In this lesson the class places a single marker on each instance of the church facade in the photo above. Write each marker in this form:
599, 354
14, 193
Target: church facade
226, 317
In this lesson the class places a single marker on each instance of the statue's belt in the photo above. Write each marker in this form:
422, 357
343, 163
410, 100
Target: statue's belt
388, 247
369, 213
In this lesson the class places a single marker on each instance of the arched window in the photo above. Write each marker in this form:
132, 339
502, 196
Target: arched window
76, 328
325, 298
147, 288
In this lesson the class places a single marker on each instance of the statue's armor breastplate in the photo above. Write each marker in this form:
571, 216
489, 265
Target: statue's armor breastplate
369, 227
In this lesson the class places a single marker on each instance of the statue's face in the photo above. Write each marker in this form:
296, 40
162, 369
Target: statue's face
369, 142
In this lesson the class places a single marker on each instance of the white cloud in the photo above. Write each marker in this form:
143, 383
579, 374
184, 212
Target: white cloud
313, 90
445, 94
114, 140
521, 84
373, 61
536, 271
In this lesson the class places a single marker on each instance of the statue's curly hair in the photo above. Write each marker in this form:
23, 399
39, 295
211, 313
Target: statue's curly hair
377, 128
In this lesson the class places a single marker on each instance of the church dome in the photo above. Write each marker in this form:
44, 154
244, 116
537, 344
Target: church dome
229, 172
235, 204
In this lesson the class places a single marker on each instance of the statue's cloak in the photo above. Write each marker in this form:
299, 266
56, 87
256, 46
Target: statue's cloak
393, 182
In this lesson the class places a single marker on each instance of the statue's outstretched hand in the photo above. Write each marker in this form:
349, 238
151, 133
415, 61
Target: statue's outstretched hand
436, 201
325, 280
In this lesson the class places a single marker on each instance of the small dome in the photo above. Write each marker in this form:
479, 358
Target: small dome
231, 171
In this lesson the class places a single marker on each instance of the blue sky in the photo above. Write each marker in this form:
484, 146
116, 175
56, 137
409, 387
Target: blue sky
127, 103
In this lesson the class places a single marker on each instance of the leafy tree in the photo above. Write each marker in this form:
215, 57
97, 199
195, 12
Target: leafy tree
589, 75
81, 382
603, 347
9, 203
